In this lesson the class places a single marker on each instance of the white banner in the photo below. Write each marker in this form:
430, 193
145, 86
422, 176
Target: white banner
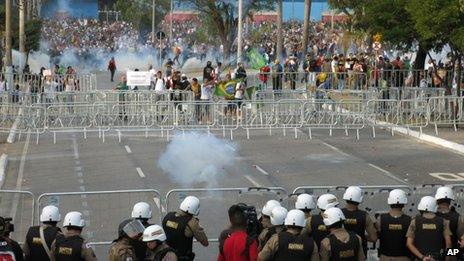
138, 78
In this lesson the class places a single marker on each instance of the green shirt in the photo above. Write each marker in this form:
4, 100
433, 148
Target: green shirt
122, 86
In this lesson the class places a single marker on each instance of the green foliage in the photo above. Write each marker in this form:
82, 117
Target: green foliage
139, 12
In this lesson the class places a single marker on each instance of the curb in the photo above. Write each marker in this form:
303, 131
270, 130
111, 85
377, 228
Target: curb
3, 165
12, 136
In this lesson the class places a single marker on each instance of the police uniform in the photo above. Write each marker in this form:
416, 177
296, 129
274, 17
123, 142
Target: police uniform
33, 247
360, 222
180, 229
290, 245
121, 250
316, 229
341, 244
70, 246
392, 228
162, 253
267, 233
265, 222
10, 247
456, 223
428, 232
140, 247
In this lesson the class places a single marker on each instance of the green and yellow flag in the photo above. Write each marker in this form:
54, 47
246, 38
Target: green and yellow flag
256, 60
226, 89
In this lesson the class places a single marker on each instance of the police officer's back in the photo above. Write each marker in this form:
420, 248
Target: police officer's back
39, 237
392, 228
121, 249
181, 227
428, 234
340, 244
314, 224
444, 196
358, 220
290, 244
265, 219
70, 245
155, 238
9, 249
142, 212
278, 215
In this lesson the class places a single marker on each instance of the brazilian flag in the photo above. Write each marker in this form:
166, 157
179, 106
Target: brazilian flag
226, 89
256, 60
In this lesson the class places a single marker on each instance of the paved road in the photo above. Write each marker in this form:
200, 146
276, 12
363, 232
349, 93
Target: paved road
83, 165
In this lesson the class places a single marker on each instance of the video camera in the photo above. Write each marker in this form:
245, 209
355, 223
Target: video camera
6, 226
253, 225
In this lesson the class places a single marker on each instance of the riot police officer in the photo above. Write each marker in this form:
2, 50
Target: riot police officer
121, 249
340, 244
392, 228
428, 234
142, 212
265, 218
444, 196
278, 215
315, 224
357, 220
305, 203
9, 249
70, 245
39, 239
155, 238
181, 227
290, 244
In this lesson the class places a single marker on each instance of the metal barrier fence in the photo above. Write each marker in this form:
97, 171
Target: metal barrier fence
35, 83
446, 111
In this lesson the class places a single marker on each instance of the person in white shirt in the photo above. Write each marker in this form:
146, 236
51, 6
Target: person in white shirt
206, 97
217, 72
50, 88
239, 91
2, 84
152, 77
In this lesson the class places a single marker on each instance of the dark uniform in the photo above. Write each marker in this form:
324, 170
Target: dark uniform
180, 229
267, 233
454, 222
140, 247
359, 222
33, 247
392, 228
290, 245
121, 250
341, 244
10, 249
162, 253
316, 229
428, 232
71, 247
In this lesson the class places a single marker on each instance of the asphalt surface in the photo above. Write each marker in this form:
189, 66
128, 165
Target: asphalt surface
80, 165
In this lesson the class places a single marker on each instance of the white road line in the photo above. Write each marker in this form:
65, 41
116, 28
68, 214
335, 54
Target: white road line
387, 173
84, 204
261, 170
139, 170
158, 204
19, 181
250, 179
81, 181
336, 149
230, 147
82, 188
86, 213
80, 175
78, 162
78, 168
128, 149
76, 151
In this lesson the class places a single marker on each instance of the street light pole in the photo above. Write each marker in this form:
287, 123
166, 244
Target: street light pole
22, 35
240, 27
153, 22
8, 58
279, 30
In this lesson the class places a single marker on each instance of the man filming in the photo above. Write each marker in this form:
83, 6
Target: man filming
9, 249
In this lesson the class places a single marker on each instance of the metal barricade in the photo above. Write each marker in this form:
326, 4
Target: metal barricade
206, 115
13, 117
317, 114
70, 117
34, 82
20, 206
413, 113
411, 78
275, 95
102, 210
289, 114
258, 115
446, 111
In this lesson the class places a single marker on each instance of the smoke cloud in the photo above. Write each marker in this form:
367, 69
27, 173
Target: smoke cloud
193, 158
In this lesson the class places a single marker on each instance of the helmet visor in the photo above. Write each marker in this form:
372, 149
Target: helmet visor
133, 229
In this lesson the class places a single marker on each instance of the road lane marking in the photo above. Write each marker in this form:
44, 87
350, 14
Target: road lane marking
76, 151
261, 170
128, 149
82, 188
387, 173
448, 176
140, 172
250, 179
19, 181
81, 181
230, 147
336, 149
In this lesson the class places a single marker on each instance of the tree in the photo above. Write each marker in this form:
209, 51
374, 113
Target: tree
139, 12
221, 20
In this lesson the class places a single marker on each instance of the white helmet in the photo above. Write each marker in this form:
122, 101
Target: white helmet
152, 233
444, 193
141, 210
267, 209
427, 203
278, 215
50, 214
353, 193
74, 219
326, 201
190, 205
305, 201
332, 216
295, 217
397, 196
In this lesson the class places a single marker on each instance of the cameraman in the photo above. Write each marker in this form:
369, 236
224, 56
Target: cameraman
239, 243
9, 249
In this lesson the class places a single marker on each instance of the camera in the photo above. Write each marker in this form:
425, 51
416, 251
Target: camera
253, 225
8, 227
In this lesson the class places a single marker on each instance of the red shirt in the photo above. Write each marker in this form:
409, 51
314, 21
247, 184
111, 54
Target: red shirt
235, 245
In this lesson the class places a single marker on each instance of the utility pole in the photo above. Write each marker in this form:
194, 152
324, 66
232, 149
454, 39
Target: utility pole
153, 22
22, 34
8, 58
307, 17
279, 30
170, 22
240, 28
